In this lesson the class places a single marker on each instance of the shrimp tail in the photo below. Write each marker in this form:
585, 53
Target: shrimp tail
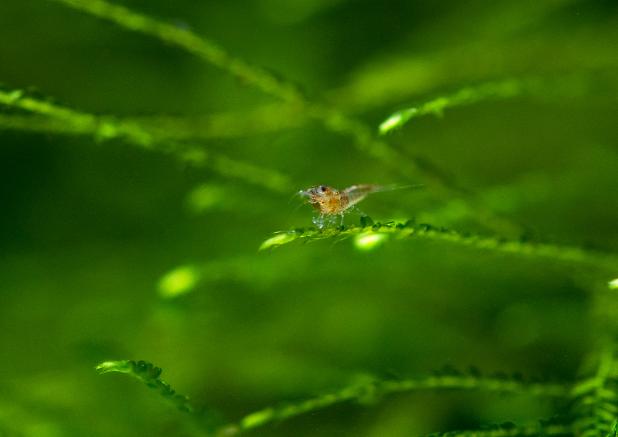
393, 187
356, 193
365, 189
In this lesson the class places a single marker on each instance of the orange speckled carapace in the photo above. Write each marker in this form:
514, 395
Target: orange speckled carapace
330, 202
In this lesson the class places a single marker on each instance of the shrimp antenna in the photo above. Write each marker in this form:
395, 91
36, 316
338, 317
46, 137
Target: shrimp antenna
293, 197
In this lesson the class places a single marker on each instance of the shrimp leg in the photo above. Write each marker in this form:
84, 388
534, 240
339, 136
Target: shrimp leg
318, 221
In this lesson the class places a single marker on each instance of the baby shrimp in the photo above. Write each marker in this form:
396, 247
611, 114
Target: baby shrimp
330, 202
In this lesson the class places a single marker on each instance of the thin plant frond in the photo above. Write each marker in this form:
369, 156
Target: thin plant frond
264, 119
376, 389
214, 54
466, 96
148, 374
39, 124
261, 120
512, 430
567, 254
566, 85
414, 75
596, 399
190, 42
107, 128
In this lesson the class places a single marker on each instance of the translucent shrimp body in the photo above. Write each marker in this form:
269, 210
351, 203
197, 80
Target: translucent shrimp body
331, 203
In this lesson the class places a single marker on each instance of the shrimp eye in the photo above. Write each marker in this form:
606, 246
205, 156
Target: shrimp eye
322, 188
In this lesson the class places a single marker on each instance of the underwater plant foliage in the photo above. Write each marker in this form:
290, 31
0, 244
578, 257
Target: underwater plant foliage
163, 274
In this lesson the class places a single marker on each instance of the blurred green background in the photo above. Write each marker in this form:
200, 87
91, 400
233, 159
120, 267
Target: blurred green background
88, 228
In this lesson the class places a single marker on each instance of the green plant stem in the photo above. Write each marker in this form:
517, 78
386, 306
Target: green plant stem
466, 96
413, 75
262, 120
39, 124
107, 128
512, 431
191, 42
276, 117
568, 254
376, 389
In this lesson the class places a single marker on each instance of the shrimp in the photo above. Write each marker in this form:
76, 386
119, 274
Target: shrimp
330, 202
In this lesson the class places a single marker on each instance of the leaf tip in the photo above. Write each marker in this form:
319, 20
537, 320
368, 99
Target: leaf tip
179, 281
369, 240
278, 240
122, 366
390, 123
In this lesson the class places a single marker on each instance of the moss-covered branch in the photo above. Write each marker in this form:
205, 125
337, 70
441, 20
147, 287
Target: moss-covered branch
192, 43
565, 85
234, 124
264, 119
148, 374
411, 76
214, 54
466, 96
107, 128
570, 254
511, 430
376, 389
596, 399
38, 124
